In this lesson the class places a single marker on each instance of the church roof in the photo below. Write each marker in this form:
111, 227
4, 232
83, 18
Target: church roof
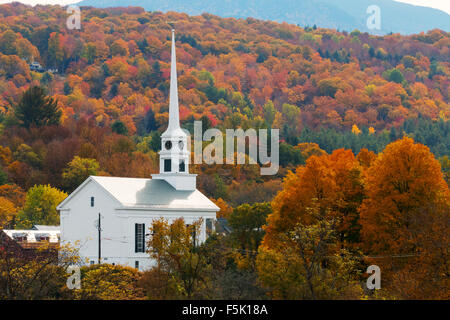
152, 194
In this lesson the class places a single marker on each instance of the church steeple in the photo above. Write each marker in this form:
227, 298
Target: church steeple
174, 113
174, 155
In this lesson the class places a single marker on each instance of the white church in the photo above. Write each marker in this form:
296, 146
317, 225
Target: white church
126, 207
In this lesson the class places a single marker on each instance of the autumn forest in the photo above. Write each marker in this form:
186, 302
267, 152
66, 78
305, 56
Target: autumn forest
364, 149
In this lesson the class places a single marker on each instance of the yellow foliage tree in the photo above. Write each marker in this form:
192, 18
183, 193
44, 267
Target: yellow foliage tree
173, 246
7, 212
40, 206
225, 208
108, 282
356, 130
309, 264
309, 149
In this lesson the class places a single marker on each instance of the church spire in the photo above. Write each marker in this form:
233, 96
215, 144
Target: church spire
173, 128
174, 154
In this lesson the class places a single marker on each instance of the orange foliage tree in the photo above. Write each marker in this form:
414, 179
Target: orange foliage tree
403, 179
405, 220
332, 182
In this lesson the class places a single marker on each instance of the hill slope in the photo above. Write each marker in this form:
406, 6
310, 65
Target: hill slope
343, 15
335, 89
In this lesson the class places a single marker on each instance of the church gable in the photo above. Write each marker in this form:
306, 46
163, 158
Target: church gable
89, 194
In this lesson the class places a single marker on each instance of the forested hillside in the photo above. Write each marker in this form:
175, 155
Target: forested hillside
339, 90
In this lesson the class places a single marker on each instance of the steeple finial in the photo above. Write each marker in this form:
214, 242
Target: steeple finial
174, 112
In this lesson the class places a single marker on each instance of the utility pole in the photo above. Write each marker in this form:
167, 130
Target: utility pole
99, 226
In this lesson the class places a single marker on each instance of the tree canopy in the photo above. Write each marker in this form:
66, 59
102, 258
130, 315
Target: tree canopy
40, 207
37, 109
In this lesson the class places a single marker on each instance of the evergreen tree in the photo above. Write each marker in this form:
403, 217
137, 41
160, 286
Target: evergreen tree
37, 109
119, 127
155, 142
67, 89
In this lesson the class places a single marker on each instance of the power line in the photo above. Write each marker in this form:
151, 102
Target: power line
118, 239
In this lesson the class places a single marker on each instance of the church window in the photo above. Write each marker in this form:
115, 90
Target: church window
168, 145
139, 237
167, 165
182, 166
92, 201
209, 226
136, 264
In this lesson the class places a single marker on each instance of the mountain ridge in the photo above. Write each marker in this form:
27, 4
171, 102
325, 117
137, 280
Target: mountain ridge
342, 15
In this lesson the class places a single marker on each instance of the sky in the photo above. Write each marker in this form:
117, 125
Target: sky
443, 5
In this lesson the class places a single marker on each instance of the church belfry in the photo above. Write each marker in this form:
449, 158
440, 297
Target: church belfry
174, 155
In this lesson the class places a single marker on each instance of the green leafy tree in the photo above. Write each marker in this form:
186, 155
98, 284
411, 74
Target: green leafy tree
226, 279
55, 51
26, 154
46, 78
3, 176
175, 249
247, 223
445, 165
309, 265
289, 155
40, 207
221, 191
329, 86
37, 109
269, 112
78, 170
119, 127
67, 89
394, 75
155, 141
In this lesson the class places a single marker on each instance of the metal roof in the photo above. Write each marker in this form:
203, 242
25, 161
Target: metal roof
153, 194
33, 235
45, 228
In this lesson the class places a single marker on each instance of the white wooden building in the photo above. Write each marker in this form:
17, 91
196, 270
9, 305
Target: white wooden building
127, 206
